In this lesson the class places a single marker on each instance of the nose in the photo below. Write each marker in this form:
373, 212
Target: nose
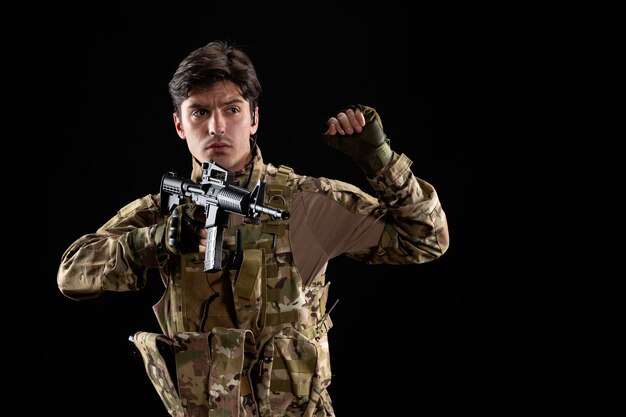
217, 124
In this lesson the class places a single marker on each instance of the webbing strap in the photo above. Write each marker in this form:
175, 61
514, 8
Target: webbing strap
273, 228
273, 294
306, 365
283, 317
282, 174
278, 187
317, 331
277, 191
298, 389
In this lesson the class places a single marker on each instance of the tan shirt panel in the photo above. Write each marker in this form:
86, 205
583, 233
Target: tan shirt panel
321, 229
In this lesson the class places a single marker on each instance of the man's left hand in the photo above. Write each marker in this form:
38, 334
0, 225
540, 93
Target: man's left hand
358, 133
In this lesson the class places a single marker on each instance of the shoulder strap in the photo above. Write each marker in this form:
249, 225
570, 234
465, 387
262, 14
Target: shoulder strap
278, 195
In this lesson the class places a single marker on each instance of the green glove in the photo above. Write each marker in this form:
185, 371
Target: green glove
369, 148
179, 233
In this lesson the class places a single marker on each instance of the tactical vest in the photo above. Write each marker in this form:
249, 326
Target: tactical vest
247, 341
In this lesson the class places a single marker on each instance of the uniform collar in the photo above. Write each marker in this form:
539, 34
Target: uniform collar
257, 166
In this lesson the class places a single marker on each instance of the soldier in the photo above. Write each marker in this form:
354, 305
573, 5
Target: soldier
250, 339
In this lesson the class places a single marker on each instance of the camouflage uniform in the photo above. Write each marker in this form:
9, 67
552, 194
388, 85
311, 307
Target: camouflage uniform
252, 341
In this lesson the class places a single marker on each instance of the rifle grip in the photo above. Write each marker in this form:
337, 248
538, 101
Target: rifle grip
172, 230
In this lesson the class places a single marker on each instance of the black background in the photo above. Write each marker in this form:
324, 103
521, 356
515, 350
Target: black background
514, 113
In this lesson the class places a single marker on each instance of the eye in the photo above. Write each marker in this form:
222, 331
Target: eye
199, 113
233, 110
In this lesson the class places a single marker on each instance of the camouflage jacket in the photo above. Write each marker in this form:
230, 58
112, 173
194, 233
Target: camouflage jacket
251, 341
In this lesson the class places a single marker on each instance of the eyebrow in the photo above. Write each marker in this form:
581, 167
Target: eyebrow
236, 100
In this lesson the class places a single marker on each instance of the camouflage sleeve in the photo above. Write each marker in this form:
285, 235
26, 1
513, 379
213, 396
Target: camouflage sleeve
116, 257
416, 229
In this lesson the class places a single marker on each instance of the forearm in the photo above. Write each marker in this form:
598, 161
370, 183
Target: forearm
416, 226
115, 258
95, 263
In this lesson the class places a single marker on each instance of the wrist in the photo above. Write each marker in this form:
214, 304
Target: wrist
377, 159
146, 244
160, 244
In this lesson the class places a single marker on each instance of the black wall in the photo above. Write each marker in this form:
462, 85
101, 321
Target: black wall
513, 113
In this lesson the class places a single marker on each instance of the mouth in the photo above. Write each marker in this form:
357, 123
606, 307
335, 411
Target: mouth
218, 145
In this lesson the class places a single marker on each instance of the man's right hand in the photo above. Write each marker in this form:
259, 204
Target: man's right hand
184, 229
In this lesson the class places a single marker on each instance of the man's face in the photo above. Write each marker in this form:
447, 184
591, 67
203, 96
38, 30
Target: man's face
217, 125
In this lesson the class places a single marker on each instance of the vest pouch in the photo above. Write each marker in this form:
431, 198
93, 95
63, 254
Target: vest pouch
295, 373
157, 369
249, 291
209, 368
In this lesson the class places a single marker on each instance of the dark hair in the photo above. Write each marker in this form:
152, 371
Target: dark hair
208, 65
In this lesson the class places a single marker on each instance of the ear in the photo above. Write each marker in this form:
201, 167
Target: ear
179, 127
255, 121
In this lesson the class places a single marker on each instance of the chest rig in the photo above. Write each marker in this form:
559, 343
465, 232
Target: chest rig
246, 341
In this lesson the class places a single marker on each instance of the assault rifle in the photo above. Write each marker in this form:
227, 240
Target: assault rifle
219, 193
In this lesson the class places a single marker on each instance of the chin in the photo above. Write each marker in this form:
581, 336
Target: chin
212, 155
222, 160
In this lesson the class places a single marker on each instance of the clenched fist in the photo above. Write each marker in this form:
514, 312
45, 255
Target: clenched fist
358, 133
